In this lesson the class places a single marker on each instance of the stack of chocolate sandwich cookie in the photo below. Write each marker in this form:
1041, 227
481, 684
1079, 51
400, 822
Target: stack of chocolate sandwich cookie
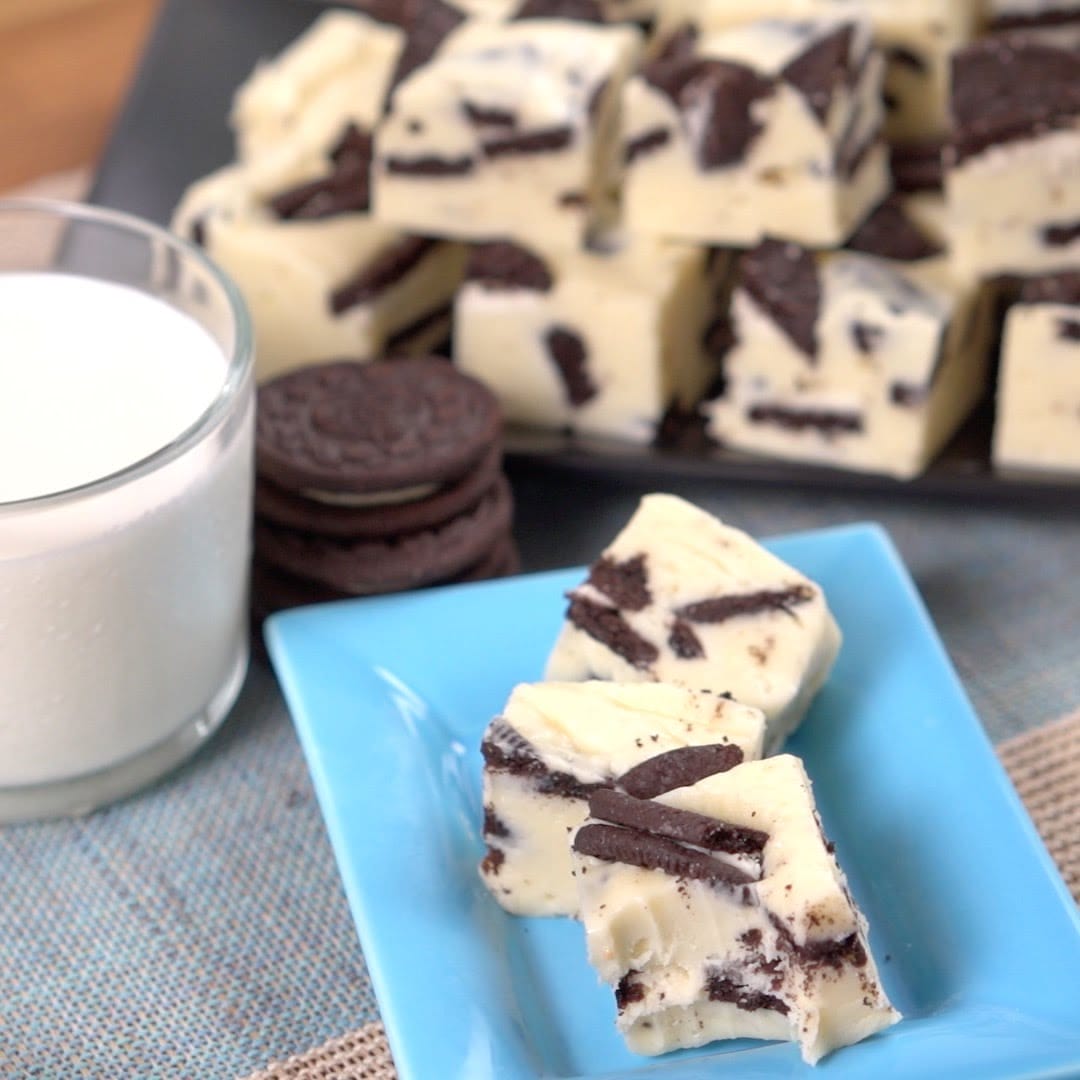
375, 478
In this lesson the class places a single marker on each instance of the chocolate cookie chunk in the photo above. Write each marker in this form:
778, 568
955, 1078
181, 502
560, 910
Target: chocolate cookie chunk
345, 426
362, 567
375, 521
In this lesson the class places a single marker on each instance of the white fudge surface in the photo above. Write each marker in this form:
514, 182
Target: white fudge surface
915, 36
335, 73
1003, 201
599, 339
678, 596
1038, 395
1012, 170
509, 131
872, 370
766, 128
778, 950
290, 270
554, 742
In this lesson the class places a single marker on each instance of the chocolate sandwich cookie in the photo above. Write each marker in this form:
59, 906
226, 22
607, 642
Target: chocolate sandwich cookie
377, 520
371, 428
274, 590
404, 562
502, 561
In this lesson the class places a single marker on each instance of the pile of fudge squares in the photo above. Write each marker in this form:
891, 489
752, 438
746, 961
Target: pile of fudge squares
623, 792
796, 224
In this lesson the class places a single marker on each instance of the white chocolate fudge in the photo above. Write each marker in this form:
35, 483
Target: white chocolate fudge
320, 277
510, 131
1038, 395
769, 128
680, 597
849, 359
600, 340
1012, 174
718, 911
338, 72
555, 743
290, 221
915, 36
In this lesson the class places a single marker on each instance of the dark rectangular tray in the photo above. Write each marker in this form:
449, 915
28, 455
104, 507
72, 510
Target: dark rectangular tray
173, 129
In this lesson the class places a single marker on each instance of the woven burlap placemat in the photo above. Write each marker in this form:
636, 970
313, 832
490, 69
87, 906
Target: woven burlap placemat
1044, 765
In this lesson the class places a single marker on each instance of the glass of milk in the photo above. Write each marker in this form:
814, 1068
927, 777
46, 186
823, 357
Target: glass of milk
126, 415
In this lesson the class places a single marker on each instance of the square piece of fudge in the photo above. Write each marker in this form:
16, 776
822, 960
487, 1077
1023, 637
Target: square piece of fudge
555, 743
336, 73
1012, 171
1038, 394
860, 361
719, 911
600, 340
508, 132
680, 597
770, 127
321, 278
915, 36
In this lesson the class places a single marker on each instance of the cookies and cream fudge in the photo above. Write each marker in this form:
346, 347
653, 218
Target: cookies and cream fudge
1038, 393
680, 597
335, 74
863, 361
767, 128
321, 278
508, 132
719, 911
554, 743
1013, 167
600, 339
915, 37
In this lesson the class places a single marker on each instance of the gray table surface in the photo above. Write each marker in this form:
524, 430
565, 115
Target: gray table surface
200, 930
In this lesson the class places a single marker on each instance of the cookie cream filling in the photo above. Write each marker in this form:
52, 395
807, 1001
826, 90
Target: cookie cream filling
380, 498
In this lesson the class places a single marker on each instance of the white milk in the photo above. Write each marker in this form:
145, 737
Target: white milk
122, 611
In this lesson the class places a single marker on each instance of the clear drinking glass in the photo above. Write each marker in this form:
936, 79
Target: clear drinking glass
123, 601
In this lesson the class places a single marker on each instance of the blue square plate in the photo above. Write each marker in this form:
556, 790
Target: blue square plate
976, 936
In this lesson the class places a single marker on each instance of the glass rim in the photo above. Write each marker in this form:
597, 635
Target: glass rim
238, 363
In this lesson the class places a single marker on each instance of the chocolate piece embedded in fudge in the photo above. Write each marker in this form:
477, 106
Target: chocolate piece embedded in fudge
680, 597
508, 132
1038, 394
555, 743
765, 128
1013, 167
865, 360
915, 37
718, 911
600, 339
1030, 14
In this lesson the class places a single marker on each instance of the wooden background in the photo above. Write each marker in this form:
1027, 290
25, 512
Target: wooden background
64, 68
